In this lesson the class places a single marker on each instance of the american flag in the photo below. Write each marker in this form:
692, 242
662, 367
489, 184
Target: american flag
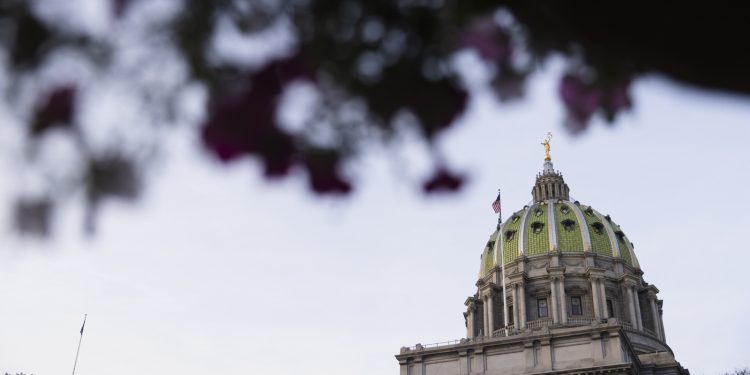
496, 204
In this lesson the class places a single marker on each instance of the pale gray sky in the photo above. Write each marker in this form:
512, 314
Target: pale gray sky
218, 270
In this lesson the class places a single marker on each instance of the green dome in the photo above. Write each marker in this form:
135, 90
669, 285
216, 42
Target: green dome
553, 223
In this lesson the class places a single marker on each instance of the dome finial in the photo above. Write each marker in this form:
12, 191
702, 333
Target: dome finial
549, 184
546, 146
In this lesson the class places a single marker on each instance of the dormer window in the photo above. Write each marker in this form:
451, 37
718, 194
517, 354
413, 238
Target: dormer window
589, 211
568, 224
598, 227
564, 209
514, 218
536, 227
509, 234
620, 236
538, 212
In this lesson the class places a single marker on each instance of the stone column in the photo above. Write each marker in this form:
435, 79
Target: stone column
661, 323
403, 366
463, 362
563, 302
491, 314
595, 298
516, 318
470, 323
603, 296
553, 297
486, 316
631, 306
655, 314
522, 304
638, 317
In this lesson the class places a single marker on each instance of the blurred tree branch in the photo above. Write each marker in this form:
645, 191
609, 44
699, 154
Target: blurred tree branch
372, 64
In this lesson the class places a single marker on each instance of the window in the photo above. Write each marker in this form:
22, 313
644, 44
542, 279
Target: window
541, 306
536, 227
568, 224
620, 236
510, 314
610, 309
598, 227
575, 305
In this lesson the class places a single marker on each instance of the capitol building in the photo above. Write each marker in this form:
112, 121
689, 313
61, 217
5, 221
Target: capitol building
559, 291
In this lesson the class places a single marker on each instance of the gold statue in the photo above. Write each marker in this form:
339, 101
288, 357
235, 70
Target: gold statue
546, 146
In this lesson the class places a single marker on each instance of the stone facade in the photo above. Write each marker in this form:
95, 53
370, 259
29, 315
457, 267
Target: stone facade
579, 308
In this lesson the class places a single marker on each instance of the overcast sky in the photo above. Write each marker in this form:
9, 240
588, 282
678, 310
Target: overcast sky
218, 270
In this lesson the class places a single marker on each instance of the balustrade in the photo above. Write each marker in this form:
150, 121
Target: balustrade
539, 323
509, 330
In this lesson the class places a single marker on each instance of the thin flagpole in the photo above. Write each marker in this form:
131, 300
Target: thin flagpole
79, 344
502, 270
498, 238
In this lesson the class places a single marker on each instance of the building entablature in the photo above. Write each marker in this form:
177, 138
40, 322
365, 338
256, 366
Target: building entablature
595, 349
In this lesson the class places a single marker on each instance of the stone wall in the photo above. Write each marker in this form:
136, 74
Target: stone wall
563, 350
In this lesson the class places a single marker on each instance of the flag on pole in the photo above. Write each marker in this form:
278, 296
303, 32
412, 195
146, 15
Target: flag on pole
496, 204
75, 363
83, 325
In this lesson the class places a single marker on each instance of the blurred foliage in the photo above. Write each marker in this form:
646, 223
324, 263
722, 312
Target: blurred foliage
374, 65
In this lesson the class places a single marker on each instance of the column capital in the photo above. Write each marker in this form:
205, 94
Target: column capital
557, 271
470, 300
516, 277
594, 272
651, 289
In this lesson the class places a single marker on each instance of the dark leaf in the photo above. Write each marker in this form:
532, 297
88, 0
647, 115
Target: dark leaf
33, 216
112, 176
443, 180
324, 174
57, 110
31, 39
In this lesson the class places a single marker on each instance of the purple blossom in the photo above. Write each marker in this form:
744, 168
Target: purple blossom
443, 180
57, 110
489, 40
324, 173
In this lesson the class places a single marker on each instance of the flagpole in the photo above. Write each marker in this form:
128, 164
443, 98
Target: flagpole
498, 238
502, 274
79, 344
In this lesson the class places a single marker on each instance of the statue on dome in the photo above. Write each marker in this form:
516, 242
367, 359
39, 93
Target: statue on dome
546, 146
